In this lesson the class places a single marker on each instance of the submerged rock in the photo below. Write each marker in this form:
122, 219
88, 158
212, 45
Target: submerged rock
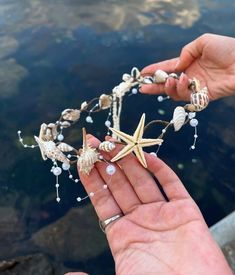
76, 236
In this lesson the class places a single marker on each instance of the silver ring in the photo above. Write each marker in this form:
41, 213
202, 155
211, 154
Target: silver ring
105, 223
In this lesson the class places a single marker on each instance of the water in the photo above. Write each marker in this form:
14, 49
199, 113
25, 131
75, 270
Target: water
56, 54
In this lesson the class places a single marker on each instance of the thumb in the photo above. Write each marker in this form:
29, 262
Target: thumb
189, 54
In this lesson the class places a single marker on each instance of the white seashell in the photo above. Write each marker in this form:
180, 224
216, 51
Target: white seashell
83, 105
71, 114
148, 80
65, 124
135, 73
64, 147
105, 101
121, 89
107, 146
49, 150
48, 132
127, 77
200, 99
160, 76
87, 160
173, 75
178, 119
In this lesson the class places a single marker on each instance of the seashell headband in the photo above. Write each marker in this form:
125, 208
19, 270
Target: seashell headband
51, 139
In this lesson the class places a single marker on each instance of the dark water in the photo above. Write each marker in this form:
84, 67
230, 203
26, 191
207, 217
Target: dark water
56, 54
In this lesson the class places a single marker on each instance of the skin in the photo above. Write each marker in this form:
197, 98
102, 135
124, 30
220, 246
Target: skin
210, 58
155, 235
163, 234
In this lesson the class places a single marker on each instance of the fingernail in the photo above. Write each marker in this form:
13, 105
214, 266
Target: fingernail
181, 79
168, 83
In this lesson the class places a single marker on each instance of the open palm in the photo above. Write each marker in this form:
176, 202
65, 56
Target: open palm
210, 58
156, 235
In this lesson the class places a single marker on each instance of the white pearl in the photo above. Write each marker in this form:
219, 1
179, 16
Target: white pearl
32, 146
70, 176
192, 147
65, 165
79, 199
21, 139
163, 131
153, 154
193, 122
196, 136
110, 169
58, 199
107, 123
191, 115
25, 146
101, 157
160, 98
57, 171
19, 132
69, 156
134, 91
89, 119
92, 194
60, 137
76, 180
105, 186
57, 185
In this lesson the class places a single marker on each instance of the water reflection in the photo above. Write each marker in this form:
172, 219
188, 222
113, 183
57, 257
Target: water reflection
56, 54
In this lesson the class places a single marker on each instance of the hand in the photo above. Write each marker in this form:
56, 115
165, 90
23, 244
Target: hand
210, 58
155, 236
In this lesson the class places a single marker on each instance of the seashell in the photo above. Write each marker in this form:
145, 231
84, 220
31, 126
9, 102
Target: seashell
160, 76
65, 124
127, 77
122, 88
48, 132
135, 73
107, 146
71, 114
173, 75
200, 99
148, 80
178, 119
64, 147
105, 101
83, 106
88, 156
49, 150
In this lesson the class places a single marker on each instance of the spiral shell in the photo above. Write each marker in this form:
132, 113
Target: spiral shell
200, 99
64, 147
71, 114
105, 101
107, 146
49, 150
87, 160
178, 119
160, 76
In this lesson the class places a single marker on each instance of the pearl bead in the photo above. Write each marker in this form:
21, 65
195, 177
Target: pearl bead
107, 123
57, 171
60, 137
32, 146
192, 147
196, 136
105, 186
100, 157
191, 115
163, 131
76, 180
193, 122
160, 98
79, 199
70, 176
65, 165
25, 146
134, 91
92, 194
58, 199
19, 132
57, 185
110, 169
153, 154
21, 139
89, 119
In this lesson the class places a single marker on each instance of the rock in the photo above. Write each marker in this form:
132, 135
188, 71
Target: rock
76, 236
36, 264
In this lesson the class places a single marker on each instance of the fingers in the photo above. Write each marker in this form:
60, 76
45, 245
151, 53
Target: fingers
171, 184
167, 66
102, 200
142, 182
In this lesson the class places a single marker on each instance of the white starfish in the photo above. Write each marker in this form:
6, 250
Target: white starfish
135, 143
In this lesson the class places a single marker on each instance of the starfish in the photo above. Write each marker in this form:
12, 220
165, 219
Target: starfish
135, 143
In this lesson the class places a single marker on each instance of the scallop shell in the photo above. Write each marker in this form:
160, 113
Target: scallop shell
49, 150
64, 147
160, 76
71, 114
178, 119
107, 146
105, 101
200, 99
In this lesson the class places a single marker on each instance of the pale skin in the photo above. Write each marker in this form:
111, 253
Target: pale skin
155, 235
